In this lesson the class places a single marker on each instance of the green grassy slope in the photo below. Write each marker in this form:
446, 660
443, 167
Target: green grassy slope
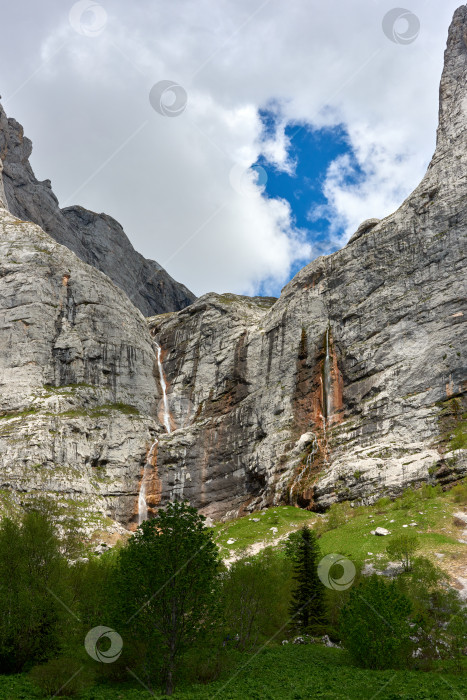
345, 530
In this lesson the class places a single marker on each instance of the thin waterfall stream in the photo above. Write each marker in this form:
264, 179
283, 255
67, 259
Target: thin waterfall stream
327, 388
165, 400
142, 503
326, 415
308, 464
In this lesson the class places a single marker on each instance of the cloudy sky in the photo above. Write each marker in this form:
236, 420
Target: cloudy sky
235, 140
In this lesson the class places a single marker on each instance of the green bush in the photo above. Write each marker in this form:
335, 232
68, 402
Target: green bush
428, 491
408, 499
64, 677
459, 437
255, 596
337, 515
459, 493
437, 613
382, 503
374, 624
402, 548
205, 663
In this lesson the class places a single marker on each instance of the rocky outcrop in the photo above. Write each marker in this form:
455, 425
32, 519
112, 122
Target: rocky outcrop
2, 190
339, 389
97, 239
78, 393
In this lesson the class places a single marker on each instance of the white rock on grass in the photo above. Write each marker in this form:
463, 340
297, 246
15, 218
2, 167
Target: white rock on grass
381, 531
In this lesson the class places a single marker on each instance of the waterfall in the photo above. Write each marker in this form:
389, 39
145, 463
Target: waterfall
308, 464
142, 504
327, 386
164, 389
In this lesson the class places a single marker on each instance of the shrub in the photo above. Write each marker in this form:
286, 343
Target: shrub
255, 596
374, 624
429, 491
457, 637
459, 493
408, 499
206, 661
382, 503
337, 515
438, 615
64, 677
402, 548
459, 437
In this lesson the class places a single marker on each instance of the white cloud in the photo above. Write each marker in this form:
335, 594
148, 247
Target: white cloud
322, 64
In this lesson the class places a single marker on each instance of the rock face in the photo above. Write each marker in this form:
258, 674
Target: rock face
348, 386
78, 392
351, 385
97, 239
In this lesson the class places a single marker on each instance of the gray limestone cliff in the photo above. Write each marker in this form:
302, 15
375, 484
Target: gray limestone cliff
97, 239
78, 391
351, 385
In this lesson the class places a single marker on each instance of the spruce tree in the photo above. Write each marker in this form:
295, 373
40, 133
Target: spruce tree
307, 607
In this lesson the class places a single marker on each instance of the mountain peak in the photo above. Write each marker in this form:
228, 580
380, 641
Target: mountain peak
97, 239
452, 92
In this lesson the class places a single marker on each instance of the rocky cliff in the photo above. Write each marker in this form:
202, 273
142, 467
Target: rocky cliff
78, 393
97, 239
351, 385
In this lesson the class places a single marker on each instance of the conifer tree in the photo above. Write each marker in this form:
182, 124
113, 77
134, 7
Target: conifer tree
307, 607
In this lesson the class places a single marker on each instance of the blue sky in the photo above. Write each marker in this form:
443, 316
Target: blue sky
311, 151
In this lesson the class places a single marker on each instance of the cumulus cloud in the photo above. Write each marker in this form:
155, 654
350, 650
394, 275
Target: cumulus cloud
173, 182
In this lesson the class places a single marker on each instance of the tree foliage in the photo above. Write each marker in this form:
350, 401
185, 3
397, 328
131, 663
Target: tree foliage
166, 586
402, 549
307, 608
255, 596
375, 625
31, 585
438, 613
